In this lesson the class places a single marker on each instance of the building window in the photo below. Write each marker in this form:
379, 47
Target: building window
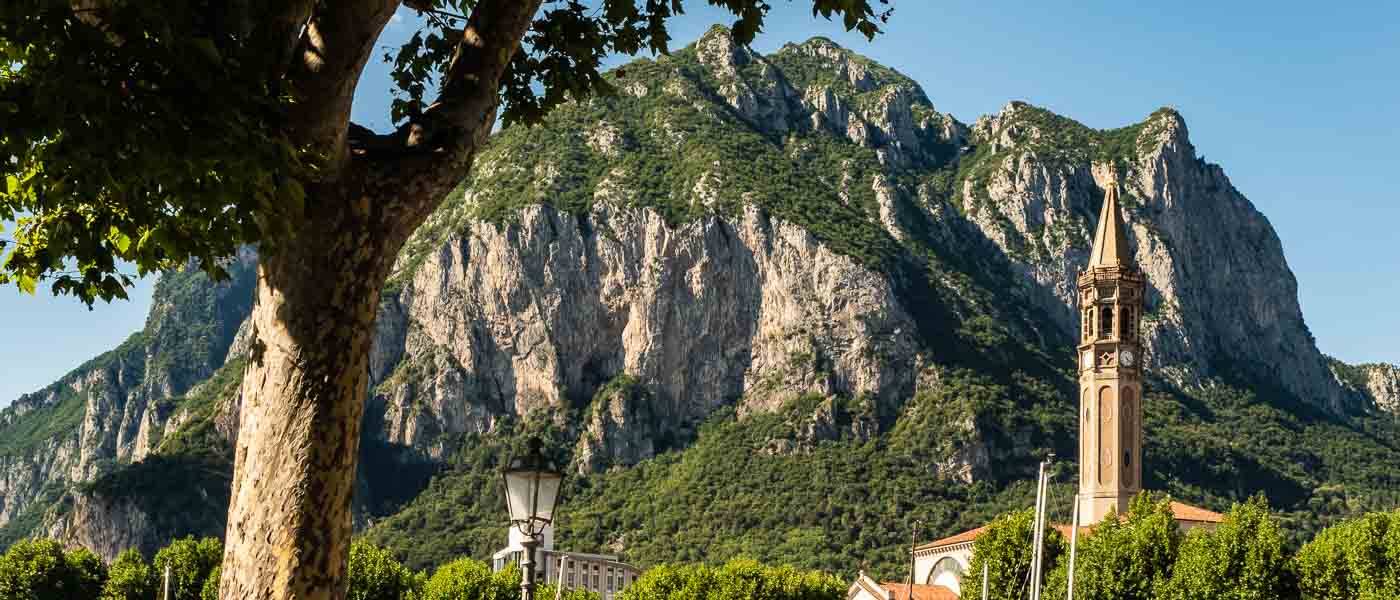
1106, 321
1126, 325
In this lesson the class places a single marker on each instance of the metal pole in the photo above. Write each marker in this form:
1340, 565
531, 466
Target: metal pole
1073, 541
559, 580
1044, 516
913, 535
984, 581
527, 565
1036, 532
166, 595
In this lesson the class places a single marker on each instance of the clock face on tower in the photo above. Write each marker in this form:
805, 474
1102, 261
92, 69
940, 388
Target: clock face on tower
1126, 357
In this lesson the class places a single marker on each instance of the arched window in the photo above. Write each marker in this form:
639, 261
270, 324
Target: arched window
1106, 321
1126, 324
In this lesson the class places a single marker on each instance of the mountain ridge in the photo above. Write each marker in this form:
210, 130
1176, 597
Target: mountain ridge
793, 254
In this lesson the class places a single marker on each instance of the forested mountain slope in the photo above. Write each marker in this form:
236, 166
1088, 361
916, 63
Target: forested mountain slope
768, 305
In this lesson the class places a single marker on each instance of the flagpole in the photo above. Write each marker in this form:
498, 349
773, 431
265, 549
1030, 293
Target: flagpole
1073, 541
1036, 542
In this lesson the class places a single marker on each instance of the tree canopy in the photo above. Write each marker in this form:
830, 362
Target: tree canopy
1358, 558
1005, 550
1122, 559
159, 132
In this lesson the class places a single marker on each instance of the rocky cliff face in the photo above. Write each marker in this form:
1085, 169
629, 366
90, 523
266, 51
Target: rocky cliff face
732, 231
540, 313
1222, 301
1383, 385
119, 406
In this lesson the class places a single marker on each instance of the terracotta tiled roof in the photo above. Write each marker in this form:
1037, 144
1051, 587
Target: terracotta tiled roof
965, 536
921, 592
1186, 512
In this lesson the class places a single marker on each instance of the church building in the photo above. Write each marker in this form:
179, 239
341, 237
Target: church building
1111, 292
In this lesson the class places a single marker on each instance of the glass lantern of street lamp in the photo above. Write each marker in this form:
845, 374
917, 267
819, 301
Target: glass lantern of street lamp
532, 487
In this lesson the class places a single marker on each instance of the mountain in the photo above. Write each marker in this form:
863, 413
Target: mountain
769, 305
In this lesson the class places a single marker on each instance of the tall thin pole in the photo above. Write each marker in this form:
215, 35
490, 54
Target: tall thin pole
559, 580
1035, 529
984, 580
166, 595
1073, 541
913, 539
1038, 569
527, 566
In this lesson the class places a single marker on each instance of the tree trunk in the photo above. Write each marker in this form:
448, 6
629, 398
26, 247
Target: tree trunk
289, 522
288, 535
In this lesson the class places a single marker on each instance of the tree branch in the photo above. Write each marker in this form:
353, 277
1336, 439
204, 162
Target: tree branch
465, 110
329, 57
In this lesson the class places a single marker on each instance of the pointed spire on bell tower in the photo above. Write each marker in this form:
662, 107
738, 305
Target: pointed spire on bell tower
1110, 243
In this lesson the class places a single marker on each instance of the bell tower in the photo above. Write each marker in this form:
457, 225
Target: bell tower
1110, 375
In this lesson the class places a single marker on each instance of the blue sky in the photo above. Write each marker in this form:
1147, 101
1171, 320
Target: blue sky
1300, 102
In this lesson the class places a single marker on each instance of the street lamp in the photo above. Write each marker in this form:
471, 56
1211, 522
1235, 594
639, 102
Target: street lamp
532, 487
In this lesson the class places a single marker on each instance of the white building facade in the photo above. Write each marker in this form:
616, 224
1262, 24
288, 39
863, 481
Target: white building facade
602, 574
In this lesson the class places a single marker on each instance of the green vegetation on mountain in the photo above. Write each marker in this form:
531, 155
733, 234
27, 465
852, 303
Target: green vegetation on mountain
731, 492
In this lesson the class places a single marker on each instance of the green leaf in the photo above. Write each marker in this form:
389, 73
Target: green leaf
120, 239
26, 283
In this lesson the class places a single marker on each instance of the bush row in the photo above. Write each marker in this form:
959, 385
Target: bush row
1146, 556
43, 570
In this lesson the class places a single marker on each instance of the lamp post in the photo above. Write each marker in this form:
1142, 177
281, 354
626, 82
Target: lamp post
532, 487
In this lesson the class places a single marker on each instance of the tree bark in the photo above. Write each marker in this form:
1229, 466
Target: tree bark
289, 520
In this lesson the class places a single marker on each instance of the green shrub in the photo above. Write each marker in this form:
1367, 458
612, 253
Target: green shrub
1005, 548
738, 579
1241, 559
41, 570
129, 578
210, 591
376, 575
191, 562
467, 579
1358, 558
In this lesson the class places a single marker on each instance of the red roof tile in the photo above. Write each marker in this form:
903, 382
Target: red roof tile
1186, 512
965, 536
921, 592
